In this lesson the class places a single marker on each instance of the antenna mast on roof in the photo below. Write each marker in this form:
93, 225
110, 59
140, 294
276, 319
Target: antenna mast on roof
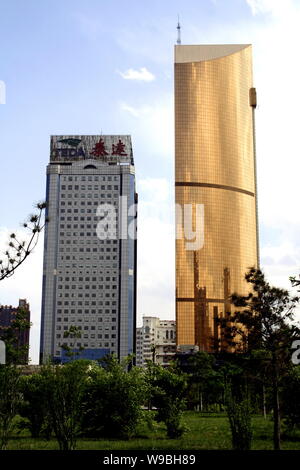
178, 32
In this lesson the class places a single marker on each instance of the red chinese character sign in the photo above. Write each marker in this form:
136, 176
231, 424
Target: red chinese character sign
99, 149
119, 149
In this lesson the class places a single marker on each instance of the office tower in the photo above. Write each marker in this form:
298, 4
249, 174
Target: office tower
89, 276
156, 342
16, 321
215, 177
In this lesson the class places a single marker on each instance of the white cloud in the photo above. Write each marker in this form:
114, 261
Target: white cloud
141, 75
131, 110
269, 6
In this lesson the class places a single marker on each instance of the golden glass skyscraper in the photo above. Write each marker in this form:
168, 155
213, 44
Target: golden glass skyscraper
215, 170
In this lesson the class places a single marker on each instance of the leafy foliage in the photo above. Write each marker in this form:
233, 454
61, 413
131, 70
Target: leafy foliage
264, 322
74, 332
239, 415
290, 403
10, 398
65, 388
113, 400
205, 382
168, 389
34, 406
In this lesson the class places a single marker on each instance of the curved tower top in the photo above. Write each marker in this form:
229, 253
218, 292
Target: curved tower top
199, 53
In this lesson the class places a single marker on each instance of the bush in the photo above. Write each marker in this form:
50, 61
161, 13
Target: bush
290, 405
10, 398
113, 402
168, 388
239, 415
66, 387
34, 407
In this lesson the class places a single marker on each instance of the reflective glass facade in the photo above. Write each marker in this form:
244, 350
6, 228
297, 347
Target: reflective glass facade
215, 167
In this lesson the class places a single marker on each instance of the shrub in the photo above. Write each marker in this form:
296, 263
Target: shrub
290, 405
239, 415
10, 398
168, 388
34, 407
66, 386
114, 399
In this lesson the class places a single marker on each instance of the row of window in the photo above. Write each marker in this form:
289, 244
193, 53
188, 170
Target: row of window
80, 226
87, 258
98, 272
81, 303
81, 234
87, 278
92, 242
92, 336
85, 295
82, 219
90, 178
88, 195
89, 187
83, 203
87, 250
88, 241
82, 211
87, 312
86, 345
88, 286
100, 320
86, 267
168, 335
86, 328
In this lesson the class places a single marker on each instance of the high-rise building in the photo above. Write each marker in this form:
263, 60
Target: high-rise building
215, 178
15, 321
156, 342
89, 276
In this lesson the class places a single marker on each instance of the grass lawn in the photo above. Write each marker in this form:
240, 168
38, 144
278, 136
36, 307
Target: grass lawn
204, 431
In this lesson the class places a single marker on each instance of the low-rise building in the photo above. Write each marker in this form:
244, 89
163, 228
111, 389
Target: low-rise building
156, 341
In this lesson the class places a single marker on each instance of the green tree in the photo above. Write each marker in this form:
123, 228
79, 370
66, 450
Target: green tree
66, 387
168, 390
114, 399
290, 404
9, 401
34, 406
74, 332
204, 380
264, 322
239, 415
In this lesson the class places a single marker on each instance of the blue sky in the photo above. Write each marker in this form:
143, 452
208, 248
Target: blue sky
74, 67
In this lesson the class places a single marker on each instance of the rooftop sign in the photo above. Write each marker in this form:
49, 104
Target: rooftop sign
106, 148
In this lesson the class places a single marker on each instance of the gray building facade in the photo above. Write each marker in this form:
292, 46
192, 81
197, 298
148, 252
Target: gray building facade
156, 342
89, 274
